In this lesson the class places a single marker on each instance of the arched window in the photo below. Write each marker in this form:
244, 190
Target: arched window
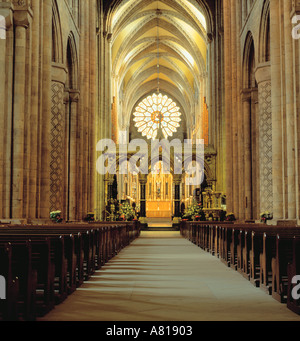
157, 112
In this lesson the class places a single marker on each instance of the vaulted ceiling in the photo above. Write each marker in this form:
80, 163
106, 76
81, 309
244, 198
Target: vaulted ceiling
159, 44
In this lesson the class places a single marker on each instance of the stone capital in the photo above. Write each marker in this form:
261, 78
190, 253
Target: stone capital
66, 97
59, 73
143, 179
246, 95
22, 13
74, 95
6, 12
107, 36
295, 7
263, 73
177, 179
210, 37
254, 95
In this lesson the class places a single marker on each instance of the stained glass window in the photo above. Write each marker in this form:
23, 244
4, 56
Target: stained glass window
157, 112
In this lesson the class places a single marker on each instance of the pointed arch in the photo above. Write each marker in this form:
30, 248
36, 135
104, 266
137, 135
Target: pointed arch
249, 63
72, 63
57, 45
264, 47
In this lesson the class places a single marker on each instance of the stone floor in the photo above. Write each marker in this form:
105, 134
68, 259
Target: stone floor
163, 277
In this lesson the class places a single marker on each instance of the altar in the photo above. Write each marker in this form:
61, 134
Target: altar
159, 209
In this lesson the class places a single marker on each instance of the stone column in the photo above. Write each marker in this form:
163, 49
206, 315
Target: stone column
177, 185
6, 18
22, 20
228, 99
44, 150
277, 123
234, 73
93, 142
143, 183
239, 114
86, 106
290, 112
263, 78
34, 111
109, 184
57, 148
108, 97
247, 153
100, 189
73, 163
255, 153
296, 53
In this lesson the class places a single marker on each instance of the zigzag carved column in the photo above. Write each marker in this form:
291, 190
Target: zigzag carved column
263, 78
57, 139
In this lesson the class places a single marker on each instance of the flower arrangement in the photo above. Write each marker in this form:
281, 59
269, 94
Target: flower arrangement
265, 216
126, 212
194, 212
55, 216
230, 217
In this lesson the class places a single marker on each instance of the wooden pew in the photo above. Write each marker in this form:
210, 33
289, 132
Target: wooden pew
75, 251
255, 257
57, 245
101, 241
225, 242
268, 253
48, 260
213, 249
293, 270
250, 252
283, 257
217, 237
80, 244
249, 256
21, 268
233, 257
9, 306
207, 235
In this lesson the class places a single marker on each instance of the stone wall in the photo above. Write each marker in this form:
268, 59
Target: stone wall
265, 126
48, 67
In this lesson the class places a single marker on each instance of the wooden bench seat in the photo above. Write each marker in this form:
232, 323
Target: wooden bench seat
9, 306
48, 262
77, 250
268, 253
22, 268
283, 257
293, 270
58, 250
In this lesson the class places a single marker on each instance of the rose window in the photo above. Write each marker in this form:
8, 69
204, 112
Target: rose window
157, 112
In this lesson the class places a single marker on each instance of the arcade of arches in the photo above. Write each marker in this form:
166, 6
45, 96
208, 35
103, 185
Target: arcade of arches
76, 72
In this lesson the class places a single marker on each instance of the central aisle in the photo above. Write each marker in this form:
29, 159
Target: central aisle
163, 277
